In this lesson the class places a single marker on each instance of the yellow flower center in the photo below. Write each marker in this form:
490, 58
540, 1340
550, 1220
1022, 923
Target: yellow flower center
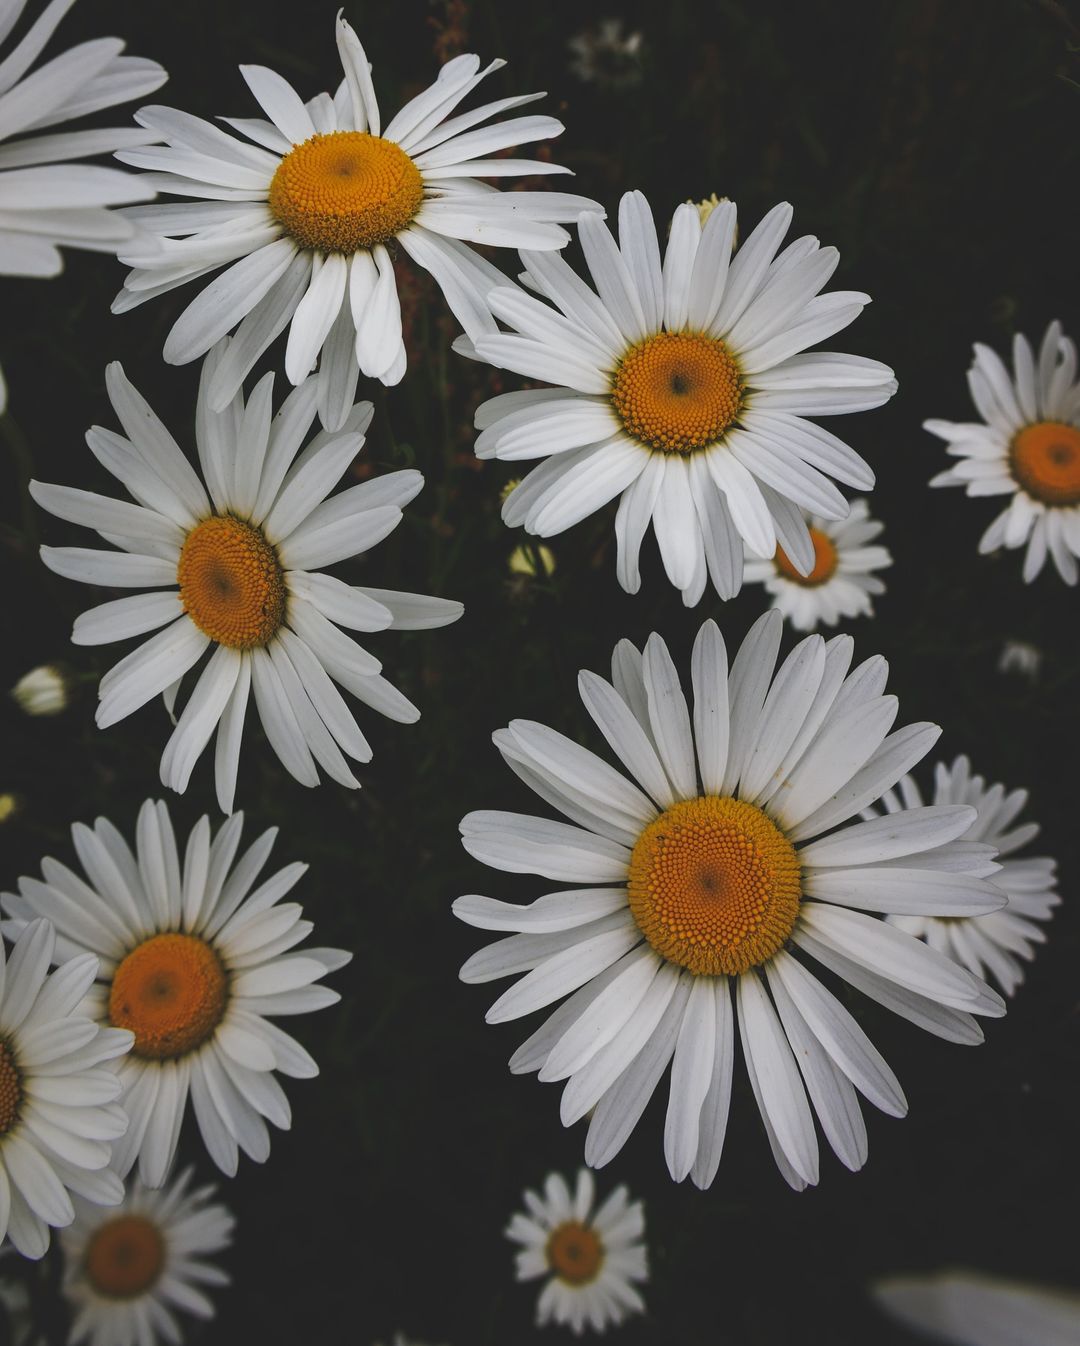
231, 583
714, 886
10, 1089
1045, 459
826, 558
345, 191
575, 1253
125, 1257
677, 391
171, 992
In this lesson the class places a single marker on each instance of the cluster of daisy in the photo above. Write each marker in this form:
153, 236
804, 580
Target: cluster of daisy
754, 834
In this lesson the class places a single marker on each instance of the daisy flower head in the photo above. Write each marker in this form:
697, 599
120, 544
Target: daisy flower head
997, 944
680, 386
129, 1271
194, 962
307, 219
232, 564
713, 876
841, 582
58, 1108
967, 1308
47, 201
592, 1256
1026, 446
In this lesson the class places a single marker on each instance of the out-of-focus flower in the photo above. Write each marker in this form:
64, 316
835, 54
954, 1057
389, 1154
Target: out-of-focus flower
714, 879
302, 220
10, 804
42, 691
607, 56
1027, 446
1018, 656
195, 963
593, 1258
841, 582
966, 1308
129, 1271
523, 561
682, 388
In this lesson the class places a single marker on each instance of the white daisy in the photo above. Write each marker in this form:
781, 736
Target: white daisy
1027, 446
680, 387
305, 215
127, 1272
235, 568
992, 945
710, 877
191, 962
592, 1258
841, 582
46, 201
970, 1309
58, 1112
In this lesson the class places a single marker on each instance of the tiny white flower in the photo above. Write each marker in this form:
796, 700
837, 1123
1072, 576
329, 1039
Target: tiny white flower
42, 691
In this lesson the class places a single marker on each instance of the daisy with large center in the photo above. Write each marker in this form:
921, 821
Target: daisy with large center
680, 385
712, 877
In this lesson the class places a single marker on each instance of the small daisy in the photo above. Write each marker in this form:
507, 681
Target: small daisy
235, 568
128, 1271
969, 1309
306, 217
1020, 657
57, 1096
681, 387
1027, 446
592, 1258
992, 945
191, 963
714, 877
841, 582
46, 201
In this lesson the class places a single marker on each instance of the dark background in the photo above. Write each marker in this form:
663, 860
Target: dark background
935, 142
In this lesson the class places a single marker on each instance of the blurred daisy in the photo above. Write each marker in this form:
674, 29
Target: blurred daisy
1027, 446
1021, 657
969, 1309
243, 557
841, 582
304, 215
192, 961
44, 690
46, 201
993, 945
591, 1258
57, 1096
680, 388
128, 1271
606, 56
713, 877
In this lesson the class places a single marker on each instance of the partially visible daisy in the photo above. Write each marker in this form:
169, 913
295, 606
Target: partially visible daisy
593, 1258
714, 878
680, 385
235, 568
46, 201
129, 1272
967, 1308
193, 963
606, 56
1027, 446
44, 690
305, 219
1020, 656
58, 1112
997, 944
841, 582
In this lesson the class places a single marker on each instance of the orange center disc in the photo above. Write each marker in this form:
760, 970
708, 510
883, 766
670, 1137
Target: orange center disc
714, 885
575, 1253
826, 558
677, 391
345, 191
125, 1257
171, 992
231, 583
10, 1090
1045, 459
